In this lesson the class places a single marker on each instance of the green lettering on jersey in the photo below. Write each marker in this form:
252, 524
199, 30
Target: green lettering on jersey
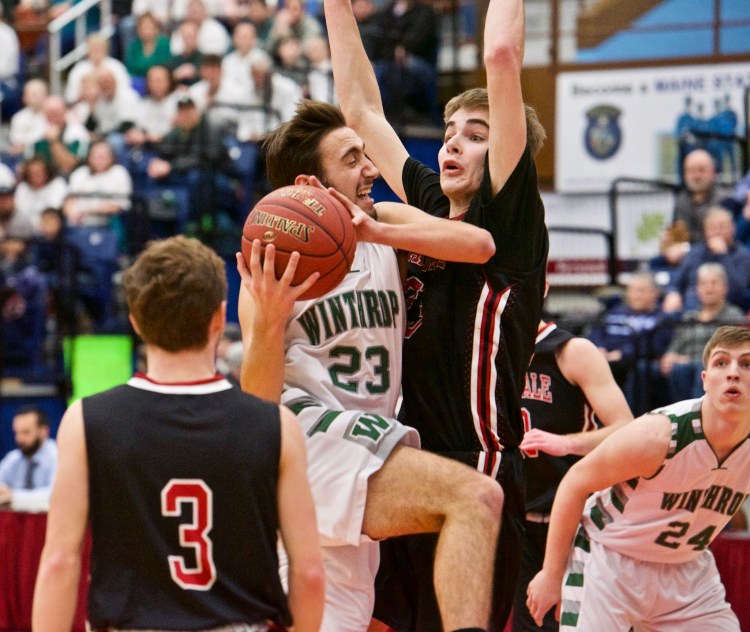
370, 426
669, 500
311, 325
374, 317
337, 314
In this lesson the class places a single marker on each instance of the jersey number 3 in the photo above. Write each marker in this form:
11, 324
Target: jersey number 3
194, 535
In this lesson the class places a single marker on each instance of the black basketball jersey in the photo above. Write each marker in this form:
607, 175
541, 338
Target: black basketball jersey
471, 328
183, 486
552, 404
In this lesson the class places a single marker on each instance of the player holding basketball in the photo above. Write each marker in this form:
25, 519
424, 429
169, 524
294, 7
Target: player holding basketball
184, 480
471, 329
339, 360
569, 390
663, 487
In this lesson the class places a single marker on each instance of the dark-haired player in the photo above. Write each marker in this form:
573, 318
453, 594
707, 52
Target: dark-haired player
338, 359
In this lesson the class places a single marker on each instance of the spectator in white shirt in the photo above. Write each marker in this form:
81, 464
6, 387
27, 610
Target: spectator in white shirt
274, 98
156, 109
97, 58
27, 473
9, 69
235, 67
213, 38
117, 105
320, 76
97, 190
39, 189
27, 125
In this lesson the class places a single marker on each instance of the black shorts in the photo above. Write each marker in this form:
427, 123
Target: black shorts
404, 588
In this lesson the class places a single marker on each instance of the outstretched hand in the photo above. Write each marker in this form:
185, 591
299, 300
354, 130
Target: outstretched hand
547, 442
364, 225
274, 298
543, 592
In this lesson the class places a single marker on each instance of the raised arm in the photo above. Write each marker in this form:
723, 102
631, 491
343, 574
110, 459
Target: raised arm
637, 450
583, 365
264, 307
503, 56
405, 227
56, 592
359, 95
299, 529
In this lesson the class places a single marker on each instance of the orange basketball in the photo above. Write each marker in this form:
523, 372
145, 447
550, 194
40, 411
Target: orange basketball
310, 221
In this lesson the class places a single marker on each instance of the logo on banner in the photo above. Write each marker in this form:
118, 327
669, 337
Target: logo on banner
603, 134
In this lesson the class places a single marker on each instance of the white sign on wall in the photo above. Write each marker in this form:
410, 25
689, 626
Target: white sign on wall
614, 123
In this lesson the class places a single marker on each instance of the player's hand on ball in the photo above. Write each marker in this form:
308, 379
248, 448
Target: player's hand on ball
544, 591
277, 296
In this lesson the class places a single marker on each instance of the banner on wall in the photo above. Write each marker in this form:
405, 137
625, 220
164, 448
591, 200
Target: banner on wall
615, 123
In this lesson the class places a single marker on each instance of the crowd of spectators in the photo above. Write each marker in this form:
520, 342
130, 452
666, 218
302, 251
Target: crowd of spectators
158, 131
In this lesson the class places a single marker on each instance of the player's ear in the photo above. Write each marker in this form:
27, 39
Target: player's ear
302, 179
135, 324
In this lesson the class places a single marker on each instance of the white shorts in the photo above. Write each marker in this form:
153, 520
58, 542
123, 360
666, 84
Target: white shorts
343, 450
350, 585
606, 590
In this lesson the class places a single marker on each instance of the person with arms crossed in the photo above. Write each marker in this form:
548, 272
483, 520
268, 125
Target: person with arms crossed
338, 360
570, 392
184, 480
27, 473
632, 521
471, 328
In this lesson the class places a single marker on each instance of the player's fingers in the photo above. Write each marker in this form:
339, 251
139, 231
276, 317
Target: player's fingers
558, 610
305, 285
242, 267
291, 268
255, 256
314, 182
269, 267
348, 204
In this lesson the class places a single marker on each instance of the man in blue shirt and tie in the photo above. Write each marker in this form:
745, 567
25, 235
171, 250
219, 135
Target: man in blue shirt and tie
26, 473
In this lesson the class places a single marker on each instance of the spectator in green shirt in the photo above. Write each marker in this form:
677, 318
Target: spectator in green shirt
150, 48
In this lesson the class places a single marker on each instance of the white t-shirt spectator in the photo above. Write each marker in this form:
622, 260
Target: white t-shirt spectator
285, 96
155, 117
85, 67
7, 179
158, 8
213, 39
31, 202
27, 127
114, 184
10, 56
235, 69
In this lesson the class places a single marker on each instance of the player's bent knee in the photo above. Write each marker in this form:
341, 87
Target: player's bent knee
480, 496
489, 495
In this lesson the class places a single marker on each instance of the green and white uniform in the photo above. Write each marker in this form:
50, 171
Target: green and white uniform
342, 379
641, 554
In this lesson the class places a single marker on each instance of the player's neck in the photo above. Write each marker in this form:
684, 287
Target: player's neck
724, 430
183, 366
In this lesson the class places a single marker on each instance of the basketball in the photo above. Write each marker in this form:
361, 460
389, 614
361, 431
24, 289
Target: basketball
310, 221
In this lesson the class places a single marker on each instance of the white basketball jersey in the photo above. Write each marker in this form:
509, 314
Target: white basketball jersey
345, 348
673, 516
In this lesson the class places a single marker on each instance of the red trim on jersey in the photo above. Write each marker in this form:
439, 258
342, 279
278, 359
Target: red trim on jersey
485, 368
216, 378
545, 331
